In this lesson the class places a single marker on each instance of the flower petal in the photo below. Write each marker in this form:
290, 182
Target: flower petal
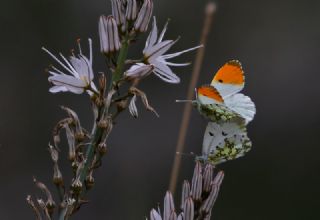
133, 108
71, 83
152, 38
56, 89
163, 31
157, 50
165, 73
168, 56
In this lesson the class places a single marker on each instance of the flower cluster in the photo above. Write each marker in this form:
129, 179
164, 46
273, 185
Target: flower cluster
197, 199
129, 19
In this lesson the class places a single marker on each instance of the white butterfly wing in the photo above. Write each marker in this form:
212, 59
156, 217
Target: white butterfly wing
227, 90
223, 142
242, 105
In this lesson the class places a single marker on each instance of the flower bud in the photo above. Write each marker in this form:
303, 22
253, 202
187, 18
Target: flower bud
207, 177
188, 209
154, 215
181, 216
131, 12
209, 202
168, 205
118, 11
109, 35
196, 186
185, 192
218, 178
144, 16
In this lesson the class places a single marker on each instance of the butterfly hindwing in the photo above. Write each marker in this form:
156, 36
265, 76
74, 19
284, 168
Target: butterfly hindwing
223, 142
229, 79
242, 105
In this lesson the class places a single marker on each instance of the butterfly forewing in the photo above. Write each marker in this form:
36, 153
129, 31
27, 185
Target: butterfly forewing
229, 79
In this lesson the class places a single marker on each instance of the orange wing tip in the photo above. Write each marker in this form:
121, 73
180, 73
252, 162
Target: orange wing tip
230, 73
210, 92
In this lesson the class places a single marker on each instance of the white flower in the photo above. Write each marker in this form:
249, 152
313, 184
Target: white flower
80, 68
154, 54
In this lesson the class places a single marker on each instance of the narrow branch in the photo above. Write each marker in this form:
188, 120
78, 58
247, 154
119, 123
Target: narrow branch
210, 9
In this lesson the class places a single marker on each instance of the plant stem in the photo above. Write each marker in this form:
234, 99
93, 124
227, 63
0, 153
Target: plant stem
98, 131
121, 60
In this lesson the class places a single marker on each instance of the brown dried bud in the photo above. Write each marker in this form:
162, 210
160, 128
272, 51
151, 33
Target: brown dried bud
34, 207
75, 166
72, 114
142, 95
102, 84
50, 202
53, 153
57, 175
89, 181
71, 143
102, 148
76, 186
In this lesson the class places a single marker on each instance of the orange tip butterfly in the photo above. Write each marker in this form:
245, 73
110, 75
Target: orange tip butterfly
223, 92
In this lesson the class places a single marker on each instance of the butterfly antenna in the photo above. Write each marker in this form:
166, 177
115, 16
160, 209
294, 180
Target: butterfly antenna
191, 154
184, 100
195, 92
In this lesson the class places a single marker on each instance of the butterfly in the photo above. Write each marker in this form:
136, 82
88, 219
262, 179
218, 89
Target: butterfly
229, 112
221, 100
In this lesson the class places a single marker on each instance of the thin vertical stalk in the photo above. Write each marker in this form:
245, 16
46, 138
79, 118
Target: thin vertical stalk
209, 12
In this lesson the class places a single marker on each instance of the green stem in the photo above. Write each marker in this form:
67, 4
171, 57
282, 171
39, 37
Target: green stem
117, 75
98, 132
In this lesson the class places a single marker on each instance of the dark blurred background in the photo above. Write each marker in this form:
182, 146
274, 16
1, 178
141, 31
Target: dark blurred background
278, 44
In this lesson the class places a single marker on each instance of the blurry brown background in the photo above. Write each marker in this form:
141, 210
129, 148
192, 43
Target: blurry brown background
278, 44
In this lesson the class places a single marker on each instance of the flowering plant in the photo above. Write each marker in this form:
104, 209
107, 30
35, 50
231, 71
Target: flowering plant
129, 19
